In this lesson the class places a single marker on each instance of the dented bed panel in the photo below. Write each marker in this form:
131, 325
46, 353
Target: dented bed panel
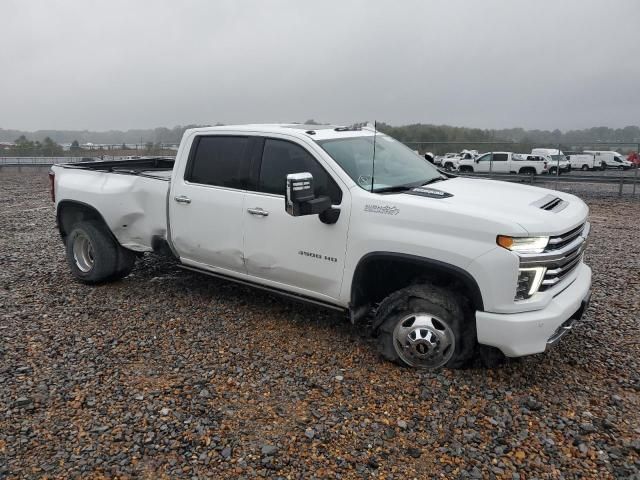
133, 206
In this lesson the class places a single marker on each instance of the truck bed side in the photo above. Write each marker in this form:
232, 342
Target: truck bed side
131, 198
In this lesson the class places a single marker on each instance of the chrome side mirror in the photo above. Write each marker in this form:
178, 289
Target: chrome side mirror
300, 199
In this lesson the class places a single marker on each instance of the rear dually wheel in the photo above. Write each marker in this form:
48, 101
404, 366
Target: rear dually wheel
94, 256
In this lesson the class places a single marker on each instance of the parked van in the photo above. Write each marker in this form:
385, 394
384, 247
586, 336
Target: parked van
610, 159
582, 161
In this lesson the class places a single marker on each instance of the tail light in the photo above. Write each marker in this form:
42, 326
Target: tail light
52, 185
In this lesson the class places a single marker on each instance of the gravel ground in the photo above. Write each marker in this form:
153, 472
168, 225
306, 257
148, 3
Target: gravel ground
171, 374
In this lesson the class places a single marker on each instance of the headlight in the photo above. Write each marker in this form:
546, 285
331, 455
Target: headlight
523, 244
529, 280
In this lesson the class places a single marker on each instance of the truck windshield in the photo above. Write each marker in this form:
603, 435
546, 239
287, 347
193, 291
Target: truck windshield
396, 166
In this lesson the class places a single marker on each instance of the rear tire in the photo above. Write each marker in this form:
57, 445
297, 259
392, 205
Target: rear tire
94, 256
527, 171
427, 327
448, 166
585, 168
466, 169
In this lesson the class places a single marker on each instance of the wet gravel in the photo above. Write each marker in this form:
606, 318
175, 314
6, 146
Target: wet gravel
171, 374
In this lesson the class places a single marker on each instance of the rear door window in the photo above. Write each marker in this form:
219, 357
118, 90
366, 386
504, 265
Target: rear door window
219, 160
500, 157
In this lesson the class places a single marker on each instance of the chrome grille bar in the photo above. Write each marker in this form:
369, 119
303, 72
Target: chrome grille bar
566, 237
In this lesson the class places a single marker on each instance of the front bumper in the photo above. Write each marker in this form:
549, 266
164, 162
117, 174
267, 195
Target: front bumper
518, 334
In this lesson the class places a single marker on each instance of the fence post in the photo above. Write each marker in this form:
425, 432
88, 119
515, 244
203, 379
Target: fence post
621, 183
558, 167
635, 174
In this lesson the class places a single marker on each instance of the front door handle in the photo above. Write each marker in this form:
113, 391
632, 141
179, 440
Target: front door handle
182, 199
258, 211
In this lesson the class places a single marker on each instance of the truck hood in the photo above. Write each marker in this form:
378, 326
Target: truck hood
539, 211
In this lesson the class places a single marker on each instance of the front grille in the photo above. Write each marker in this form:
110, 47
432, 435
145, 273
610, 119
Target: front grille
562, 256
555, 275
559, 241
572, 246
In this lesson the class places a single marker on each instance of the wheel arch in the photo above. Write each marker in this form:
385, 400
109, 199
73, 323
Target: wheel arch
70, 212
378, 274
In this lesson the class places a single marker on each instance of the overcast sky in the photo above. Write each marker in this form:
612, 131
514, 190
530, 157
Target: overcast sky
135, 64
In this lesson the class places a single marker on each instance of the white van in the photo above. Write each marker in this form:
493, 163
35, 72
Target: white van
556, 158
583, 161
610, 159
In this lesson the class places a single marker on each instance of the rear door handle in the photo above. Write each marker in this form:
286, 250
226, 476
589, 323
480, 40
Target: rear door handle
258, 211
182, 199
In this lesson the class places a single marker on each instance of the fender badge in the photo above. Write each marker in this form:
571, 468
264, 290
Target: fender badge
383, 209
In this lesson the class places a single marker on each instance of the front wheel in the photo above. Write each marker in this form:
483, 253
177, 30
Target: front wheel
425, 327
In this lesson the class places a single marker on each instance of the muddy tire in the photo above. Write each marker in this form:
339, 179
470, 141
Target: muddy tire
427, 327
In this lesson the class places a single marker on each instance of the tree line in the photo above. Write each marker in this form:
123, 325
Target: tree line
111, 137
47, 142
25, 147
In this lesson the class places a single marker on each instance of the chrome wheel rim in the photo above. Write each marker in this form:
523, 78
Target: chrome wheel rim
83, 252
423, 340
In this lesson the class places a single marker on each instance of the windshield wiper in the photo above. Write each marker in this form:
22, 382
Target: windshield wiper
395, 188
407, 186
433, 180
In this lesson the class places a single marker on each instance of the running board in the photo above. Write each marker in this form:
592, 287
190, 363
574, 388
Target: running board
282, 293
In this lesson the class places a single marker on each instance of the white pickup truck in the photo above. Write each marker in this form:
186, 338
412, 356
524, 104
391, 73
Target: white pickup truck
440, 268
505, 162
558, 162
451, 161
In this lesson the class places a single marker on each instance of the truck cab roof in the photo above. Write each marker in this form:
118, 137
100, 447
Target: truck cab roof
313, 132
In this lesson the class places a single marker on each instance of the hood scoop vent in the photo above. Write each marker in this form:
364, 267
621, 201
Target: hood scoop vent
429, 192
551, 203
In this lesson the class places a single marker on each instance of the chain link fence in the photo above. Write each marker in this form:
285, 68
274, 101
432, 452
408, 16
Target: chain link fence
607, 181
603, 179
